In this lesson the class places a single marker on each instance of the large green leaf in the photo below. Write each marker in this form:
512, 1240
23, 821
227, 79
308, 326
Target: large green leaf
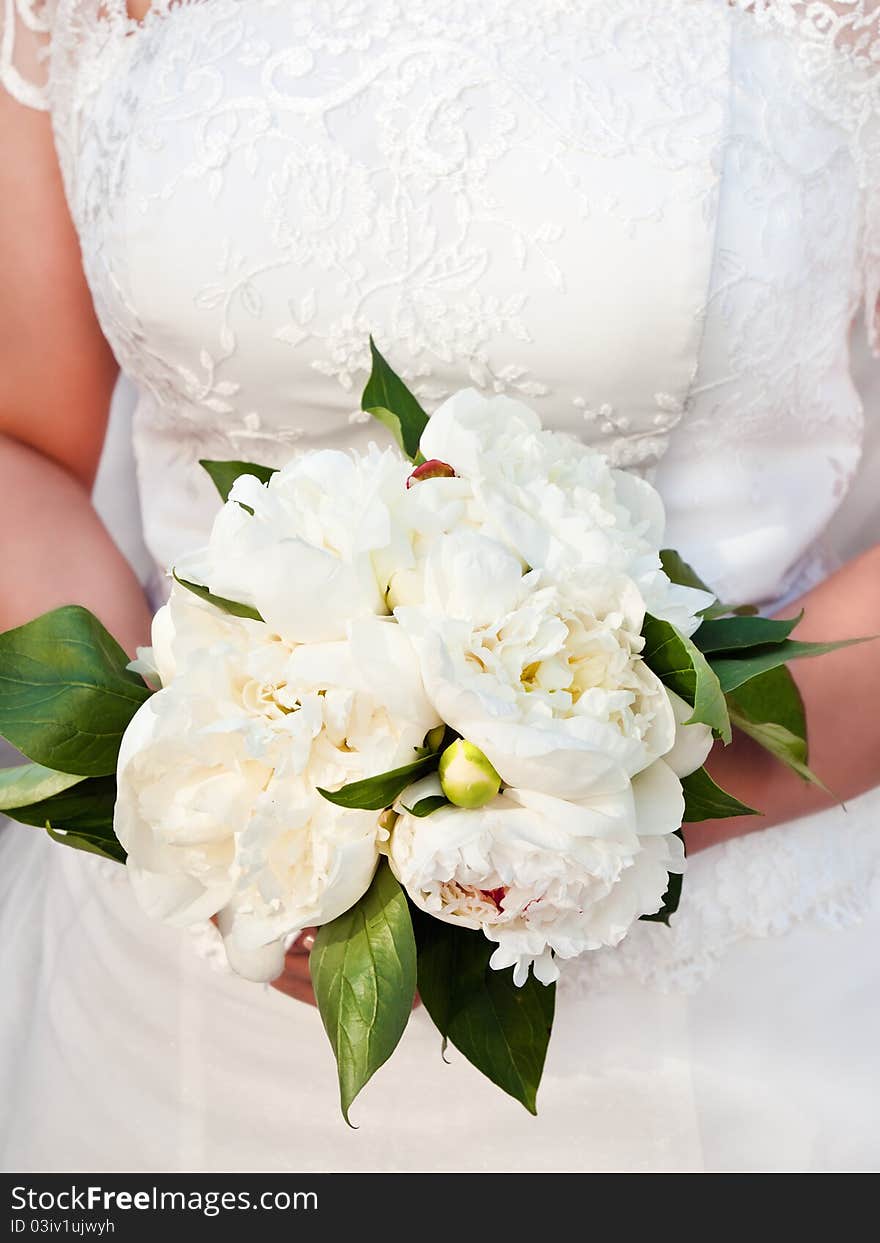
678, 571
704, 800
363, 969
388, 399
733, 672
682, 667
220, 602
732, 634
377, 793
66, 696
501, 1029
26, 784
224, 474
671, 898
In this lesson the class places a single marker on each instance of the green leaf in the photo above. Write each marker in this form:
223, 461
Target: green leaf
731, 634
107, 848
501, 1029
84, 808
678, 571
671, 898
704, 800
388, 399
32, 783
363, 968
75, 811
682, 667
724, 610
772, 697
377, 793
220, 602
733, 672
770, 710
425, 806
224, 475
781, 743
66, 696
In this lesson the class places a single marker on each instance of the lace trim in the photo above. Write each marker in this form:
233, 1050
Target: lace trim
843, 28
822, 870
29, 30
25, 27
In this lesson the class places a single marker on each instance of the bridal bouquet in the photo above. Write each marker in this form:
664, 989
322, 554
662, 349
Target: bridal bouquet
448, 703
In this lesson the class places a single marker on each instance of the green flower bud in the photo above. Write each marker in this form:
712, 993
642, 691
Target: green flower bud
466, 776
434, 738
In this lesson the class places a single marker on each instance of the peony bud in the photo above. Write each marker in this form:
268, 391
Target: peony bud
466, 776
433, 469
434, 738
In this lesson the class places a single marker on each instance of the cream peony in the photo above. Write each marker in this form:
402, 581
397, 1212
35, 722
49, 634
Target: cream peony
218, 774
546, 680
542, 876
306, 558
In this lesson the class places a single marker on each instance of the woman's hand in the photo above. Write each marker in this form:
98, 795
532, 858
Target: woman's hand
295, 979
841, 693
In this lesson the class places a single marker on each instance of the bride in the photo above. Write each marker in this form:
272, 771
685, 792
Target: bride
652, 220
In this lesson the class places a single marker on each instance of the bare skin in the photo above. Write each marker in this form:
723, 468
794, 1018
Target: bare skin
56, 378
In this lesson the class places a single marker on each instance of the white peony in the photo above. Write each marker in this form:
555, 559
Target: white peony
546, 680
542, 876
553, 501
306, 558
218, 774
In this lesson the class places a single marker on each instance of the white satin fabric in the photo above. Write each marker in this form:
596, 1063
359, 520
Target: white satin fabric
652, 220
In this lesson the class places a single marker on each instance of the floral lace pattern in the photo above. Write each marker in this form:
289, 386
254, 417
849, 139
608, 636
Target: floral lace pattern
652, 219
822, 872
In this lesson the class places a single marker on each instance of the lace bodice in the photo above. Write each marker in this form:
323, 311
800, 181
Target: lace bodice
683, 190
652, 219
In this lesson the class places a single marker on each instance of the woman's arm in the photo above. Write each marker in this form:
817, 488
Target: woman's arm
841, 694
56, 379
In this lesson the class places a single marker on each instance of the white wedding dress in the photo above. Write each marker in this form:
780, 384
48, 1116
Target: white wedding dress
654, 220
